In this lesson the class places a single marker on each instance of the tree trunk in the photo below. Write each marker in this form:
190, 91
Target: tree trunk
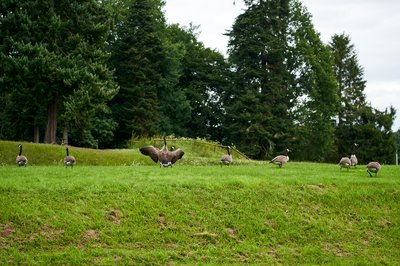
51, 128
65, 136
36, 134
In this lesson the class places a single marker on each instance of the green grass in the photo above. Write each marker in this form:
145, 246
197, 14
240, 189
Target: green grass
197, 152
255, 213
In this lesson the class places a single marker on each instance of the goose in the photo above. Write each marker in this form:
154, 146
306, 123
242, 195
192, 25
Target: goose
345, 162
21, 160
353, 157
373, 167
69, 160
227, 158
281, 159
164, 156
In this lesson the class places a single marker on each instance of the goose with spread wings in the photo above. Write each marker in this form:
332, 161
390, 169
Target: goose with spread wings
164, 156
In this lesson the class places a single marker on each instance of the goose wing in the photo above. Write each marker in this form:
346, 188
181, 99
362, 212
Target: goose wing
226, 157
279, 158
176, 155
150, 151
69, 159
345, 160
21, 160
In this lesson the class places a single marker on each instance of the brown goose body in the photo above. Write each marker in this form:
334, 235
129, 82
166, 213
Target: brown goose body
227, 158
281, 159
345, 162
353, 157
354, 160
164, 156
21, 160
373, 167
69, 160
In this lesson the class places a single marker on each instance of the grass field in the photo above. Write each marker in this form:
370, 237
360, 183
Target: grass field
255, 213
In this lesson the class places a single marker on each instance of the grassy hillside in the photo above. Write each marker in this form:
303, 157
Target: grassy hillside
197, 152
303, 213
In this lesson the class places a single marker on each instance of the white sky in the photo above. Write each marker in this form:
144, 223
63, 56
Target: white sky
373, 26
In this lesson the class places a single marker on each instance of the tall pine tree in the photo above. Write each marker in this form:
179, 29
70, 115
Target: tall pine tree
54, 63
282, 75
358, 122
138, 55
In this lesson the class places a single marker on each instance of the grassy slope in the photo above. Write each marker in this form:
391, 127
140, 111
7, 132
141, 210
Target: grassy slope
304, 213
196, 153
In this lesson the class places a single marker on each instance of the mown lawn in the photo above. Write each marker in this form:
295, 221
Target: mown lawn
304, 213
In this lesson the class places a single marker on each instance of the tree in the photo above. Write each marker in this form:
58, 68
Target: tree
138, 55
316, 97
349, 75
204, 78
54, 65
258, 102
358, 121
282, 74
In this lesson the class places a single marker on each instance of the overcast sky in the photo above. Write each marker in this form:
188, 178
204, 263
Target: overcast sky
373, 26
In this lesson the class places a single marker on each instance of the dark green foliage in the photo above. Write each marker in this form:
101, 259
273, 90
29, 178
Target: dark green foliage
358, 122
285, 89
281, 87
53, 64
257, 104
175, 109
138, 55
204, 79
317, 100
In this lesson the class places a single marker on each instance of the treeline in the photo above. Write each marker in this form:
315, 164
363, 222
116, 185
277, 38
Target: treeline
98, 73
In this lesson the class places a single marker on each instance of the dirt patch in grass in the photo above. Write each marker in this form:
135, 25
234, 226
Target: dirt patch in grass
6, 230
231, 232
336, 248
50, 233
320, 188
114, 216
162, 219
90, 235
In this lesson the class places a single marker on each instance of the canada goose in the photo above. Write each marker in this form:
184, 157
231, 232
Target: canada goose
373, 167
227, 158
281, 159
353, 157
345, 162
21, 160
164, 156
69, 160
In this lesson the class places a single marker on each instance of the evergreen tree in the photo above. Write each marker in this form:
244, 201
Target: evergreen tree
349, 75
282, 75
316, 96
138, 55
175, 108
258, 103
358, 121
54, 62
204, 78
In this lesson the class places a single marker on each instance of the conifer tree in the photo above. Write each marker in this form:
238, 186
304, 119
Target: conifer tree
54, 62
282, 75
138, 55
358, 122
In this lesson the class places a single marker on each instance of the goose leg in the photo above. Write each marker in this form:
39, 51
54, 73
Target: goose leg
369, 173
